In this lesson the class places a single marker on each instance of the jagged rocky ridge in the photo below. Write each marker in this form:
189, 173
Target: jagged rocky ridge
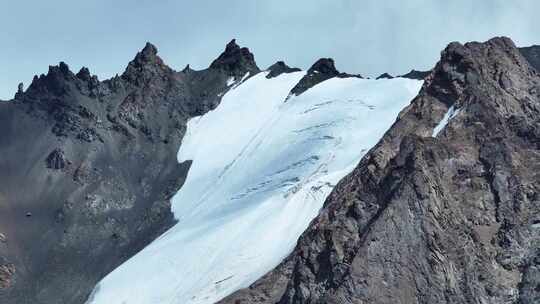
88, 168
413, 74
448, 219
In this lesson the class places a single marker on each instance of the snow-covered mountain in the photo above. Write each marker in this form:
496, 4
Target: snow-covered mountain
240, 186
262, 164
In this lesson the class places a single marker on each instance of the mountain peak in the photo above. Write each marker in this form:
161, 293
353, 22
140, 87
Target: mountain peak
187, 69
385, 76
62, 68
147, 55
323, 69
84, 74
325, 66
235, 60
20, 90
149, 50
54, 81
232, 45
279, 68
145, 64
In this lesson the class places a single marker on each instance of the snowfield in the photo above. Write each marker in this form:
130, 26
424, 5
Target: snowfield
261, 170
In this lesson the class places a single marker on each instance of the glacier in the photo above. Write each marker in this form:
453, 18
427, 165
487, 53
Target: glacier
262, 166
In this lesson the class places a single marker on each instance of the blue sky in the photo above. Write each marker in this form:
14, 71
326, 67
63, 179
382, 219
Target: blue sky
367, 37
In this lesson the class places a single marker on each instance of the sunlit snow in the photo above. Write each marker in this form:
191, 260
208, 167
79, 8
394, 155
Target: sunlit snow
261, 171
232, 81
451, 113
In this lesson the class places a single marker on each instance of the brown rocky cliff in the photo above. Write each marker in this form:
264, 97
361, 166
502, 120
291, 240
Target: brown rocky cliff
451, 219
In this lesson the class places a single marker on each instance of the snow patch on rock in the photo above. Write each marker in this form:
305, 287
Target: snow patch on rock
451, 113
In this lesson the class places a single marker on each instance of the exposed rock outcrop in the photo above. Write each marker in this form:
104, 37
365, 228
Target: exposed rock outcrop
385, 76
236, 61
450, 219
323, 69
88, 168
279, 68
414, 74
56, 160
532, 54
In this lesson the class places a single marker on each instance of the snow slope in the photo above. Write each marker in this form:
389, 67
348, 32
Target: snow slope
261, 171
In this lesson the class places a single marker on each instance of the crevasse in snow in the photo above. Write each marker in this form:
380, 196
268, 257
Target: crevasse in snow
261, 171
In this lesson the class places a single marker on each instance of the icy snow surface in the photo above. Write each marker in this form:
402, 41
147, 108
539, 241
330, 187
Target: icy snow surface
451, 113
232, 81
261, 171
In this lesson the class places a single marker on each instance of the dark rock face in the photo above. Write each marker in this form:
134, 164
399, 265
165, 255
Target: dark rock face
320, 71
279, 68
451, 219
88, 168
414, 74
6, 274
20, 90
385, 76
236, 61
56, 160
532, 54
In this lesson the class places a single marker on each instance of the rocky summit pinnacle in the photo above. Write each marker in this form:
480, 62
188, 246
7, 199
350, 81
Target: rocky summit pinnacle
323, 69
235, 61
147, 55
325, 66
84, 74
146, 65
279, 68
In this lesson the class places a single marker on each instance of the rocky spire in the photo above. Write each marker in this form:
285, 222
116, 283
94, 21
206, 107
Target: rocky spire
145, 65
20, 90
323, 69
84, 74
235, 61
187, 69
325, 66
279, 68
55, 81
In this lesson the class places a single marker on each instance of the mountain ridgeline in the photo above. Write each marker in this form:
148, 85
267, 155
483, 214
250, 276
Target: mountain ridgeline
427, 217
88, 169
